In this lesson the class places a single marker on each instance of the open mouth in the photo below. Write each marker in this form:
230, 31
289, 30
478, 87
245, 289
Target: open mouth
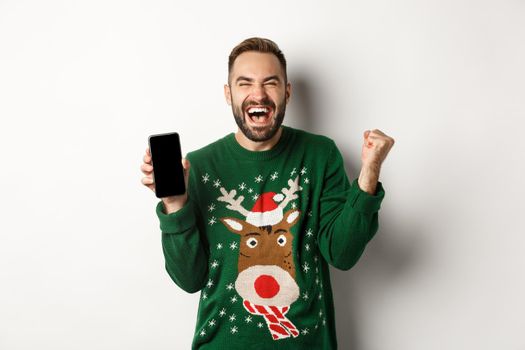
259, 115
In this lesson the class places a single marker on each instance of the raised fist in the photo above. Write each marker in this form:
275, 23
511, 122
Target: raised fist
376, 146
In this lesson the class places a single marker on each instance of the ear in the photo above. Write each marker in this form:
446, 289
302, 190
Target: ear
234, 225
227, 94
291, 217
288, 92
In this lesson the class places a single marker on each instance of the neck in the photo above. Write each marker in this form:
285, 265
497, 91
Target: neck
258, 146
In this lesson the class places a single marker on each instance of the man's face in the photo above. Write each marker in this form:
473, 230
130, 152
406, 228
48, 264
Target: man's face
258, 94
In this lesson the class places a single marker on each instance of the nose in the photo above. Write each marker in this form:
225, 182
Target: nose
258, 92
266, 286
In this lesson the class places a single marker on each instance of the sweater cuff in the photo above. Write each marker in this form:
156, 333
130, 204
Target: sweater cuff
363, 201
177, 222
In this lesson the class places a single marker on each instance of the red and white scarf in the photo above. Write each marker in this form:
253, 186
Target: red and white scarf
280, 327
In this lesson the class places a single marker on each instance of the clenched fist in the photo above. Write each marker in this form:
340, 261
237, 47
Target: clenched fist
376, 146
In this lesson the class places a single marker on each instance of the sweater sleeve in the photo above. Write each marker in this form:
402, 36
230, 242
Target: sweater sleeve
348, 215
184, 245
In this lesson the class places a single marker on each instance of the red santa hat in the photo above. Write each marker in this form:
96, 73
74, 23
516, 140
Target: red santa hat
265, 211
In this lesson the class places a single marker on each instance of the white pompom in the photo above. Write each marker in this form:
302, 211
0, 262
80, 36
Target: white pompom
278, 197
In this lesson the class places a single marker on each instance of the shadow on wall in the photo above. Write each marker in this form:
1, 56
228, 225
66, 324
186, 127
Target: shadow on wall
390, 256
303, 103
387, 257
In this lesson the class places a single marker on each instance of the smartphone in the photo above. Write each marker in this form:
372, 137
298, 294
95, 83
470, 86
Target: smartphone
166, 156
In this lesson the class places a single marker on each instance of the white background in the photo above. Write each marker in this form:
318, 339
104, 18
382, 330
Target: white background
83, 84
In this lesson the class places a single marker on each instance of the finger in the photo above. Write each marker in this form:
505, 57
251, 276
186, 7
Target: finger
147, 159
147, 180
367, 142
377, 132
148, 151
186, 164
146, 168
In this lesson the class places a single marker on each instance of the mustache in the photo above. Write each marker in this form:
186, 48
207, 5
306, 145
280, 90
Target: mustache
266, 102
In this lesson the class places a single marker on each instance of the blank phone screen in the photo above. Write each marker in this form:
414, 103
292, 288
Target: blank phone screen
167, 167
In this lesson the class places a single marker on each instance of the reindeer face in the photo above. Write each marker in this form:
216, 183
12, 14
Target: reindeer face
266, 267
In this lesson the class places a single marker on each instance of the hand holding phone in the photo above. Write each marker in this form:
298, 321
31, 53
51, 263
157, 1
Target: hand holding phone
166, 172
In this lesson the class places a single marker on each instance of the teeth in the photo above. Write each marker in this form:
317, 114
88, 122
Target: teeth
258, 110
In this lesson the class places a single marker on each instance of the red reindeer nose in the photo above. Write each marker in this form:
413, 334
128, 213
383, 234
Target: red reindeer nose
266, 286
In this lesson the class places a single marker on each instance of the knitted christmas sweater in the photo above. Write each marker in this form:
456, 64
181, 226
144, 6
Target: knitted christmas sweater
256, 237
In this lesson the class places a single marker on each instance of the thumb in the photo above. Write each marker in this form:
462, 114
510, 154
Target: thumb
186, 164
367, 142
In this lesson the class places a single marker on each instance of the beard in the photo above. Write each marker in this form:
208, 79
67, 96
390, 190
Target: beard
260, 134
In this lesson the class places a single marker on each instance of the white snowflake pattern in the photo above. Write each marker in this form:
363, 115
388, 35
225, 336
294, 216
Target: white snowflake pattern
234, 330
309, 232
306, 180
205, 178
203, 333
317, 280
316, 258
212, 323
320, 296
250, 190
306, 267
294, 205
320, 313
211, 207
274, 176
255, 196
210, 283
294, 171
204, 296
258, 179
260, 325
242, 186
222, 312
233, 299
214, 264
219, 245
310, 213
324, 321
229, 286
248, 319
232, 317
305, 331
217, 183
233, 245
303, 170
305, 296
212, 221
307, 247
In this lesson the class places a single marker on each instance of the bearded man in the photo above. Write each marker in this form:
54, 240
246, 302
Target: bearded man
266, 210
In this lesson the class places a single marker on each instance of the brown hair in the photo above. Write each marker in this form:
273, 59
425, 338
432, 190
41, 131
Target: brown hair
259, 45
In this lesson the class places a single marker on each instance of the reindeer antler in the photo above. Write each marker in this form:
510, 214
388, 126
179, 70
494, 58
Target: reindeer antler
290, 194
234, 204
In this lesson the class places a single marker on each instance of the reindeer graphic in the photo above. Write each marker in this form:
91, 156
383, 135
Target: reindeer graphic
266, 278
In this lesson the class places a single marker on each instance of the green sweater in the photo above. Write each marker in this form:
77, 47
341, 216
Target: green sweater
256, 238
